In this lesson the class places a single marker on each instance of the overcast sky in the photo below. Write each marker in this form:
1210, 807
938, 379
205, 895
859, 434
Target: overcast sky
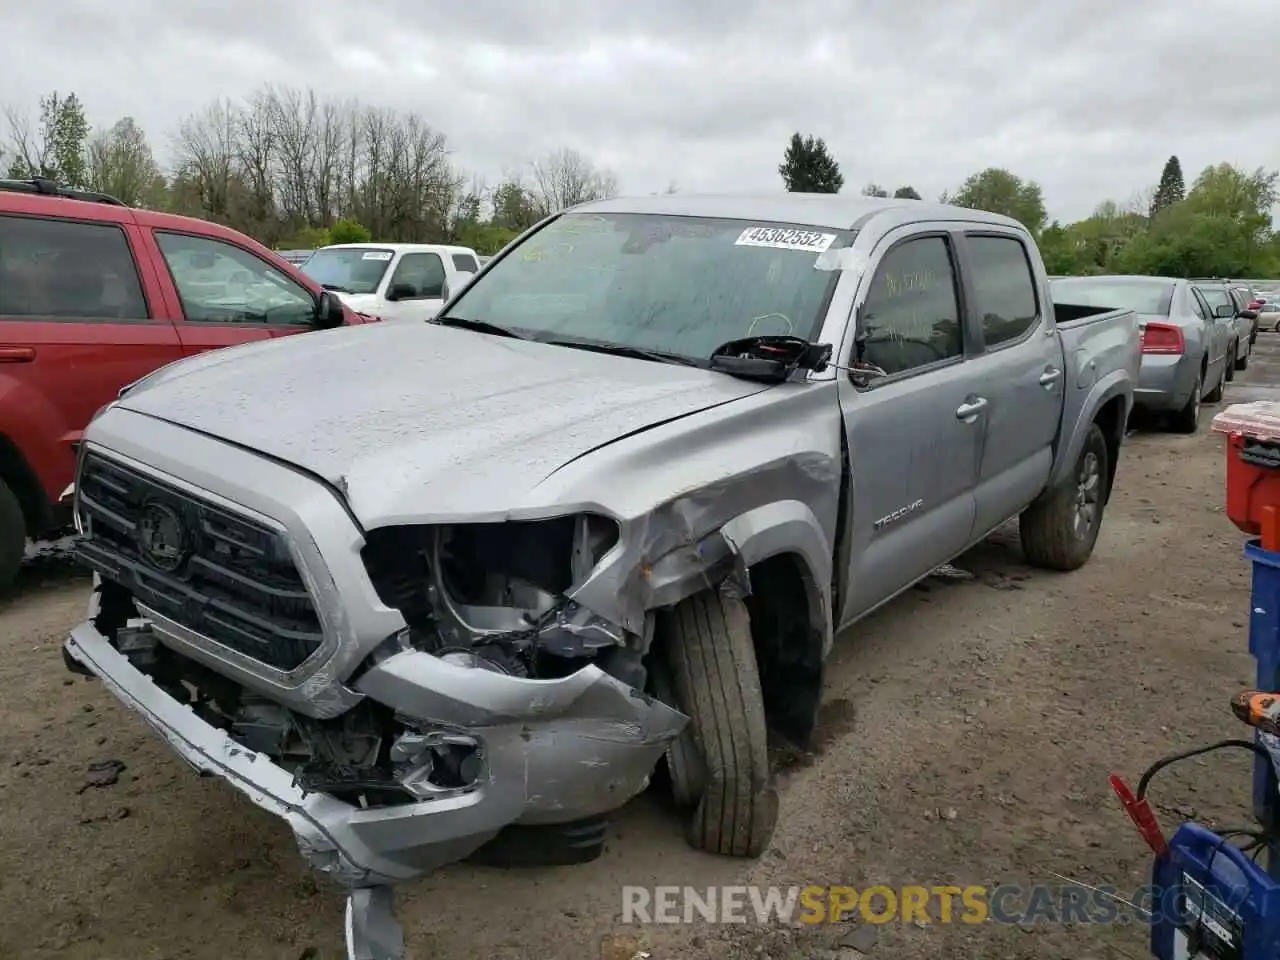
1088, 98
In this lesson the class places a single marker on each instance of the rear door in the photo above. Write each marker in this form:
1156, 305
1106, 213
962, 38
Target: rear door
81, 315
1021, 370
223, 294
913, 420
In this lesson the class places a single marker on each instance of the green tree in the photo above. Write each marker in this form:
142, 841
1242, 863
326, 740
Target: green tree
1171, 188
349, 231
57, 148
999, 191
514, 207
906, 193
121, 164
874, 190
808, 167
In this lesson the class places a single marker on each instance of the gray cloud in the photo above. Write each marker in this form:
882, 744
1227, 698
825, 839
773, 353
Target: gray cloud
1088, 98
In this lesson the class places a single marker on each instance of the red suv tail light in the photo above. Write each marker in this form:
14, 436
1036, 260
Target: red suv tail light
1163, 338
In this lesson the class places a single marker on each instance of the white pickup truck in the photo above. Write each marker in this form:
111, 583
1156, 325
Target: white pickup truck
393, 281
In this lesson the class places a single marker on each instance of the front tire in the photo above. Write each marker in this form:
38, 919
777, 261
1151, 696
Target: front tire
716, 682
1242, 363
1059, 531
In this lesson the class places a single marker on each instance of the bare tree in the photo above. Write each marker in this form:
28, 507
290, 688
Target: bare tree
121, 163
206, 149
566, 178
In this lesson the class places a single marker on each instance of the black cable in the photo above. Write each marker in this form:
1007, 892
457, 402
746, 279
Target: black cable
1188, 754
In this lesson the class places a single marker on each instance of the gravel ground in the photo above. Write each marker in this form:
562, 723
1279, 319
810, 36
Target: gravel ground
967, 735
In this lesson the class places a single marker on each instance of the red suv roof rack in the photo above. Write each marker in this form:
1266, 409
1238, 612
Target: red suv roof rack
46, 187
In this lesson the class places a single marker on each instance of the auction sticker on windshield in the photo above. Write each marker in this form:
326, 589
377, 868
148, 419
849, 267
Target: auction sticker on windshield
782, 238
377, 255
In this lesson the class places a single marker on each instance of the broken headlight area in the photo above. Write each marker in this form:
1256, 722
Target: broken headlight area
368, 756
500, 595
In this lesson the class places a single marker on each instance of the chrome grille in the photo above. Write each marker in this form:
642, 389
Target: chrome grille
217, 573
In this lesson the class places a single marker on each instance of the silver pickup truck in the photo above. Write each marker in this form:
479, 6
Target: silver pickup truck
416, 587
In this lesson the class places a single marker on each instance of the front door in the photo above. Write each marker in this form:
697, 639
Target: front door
226, 295
1022, 372
913, 415
418, 285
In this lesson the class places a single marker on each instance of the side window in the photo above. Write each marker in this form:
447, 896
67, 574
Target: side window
219, 282
911, 317
465, 263
423, 272
68, 270
1004, 290
1198, 305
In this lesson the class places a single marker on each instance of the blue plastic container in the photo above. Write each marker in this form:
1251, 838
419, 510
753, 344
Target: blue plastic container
1264, 644
1208, 890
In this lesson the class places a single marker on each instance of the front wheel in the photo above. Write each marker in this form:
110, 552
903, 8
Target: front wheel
1242, 363
713, 670
1059, 531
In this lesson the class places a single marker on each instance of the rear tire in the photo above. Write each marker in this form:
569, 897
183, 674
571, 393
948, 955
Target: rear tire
1229, 373
1187, 420
13, 536
1242, 363
713, 670
1059, 531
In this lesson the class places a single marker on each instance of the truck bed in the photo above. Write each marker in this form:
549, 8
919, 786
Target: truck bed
1101, 354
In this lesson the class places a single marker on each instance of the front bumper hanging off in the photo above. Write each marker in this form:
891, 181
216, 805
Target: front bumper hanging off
536, 764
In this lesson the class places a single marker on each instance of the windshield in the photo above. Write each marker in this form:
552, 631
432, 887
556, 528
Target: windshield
1125, 293
348, 269
674, 285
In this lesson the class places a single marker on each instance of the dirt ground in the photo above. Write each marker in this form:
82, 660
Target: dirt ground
967, 735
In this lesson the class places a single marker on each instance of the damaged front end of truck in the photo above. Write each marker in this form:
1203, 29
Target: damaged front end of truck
447, 694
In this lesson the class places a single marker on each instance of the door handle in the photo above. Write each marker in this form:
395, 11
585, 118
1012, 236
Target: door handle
1050, 377
968, 412
17, 354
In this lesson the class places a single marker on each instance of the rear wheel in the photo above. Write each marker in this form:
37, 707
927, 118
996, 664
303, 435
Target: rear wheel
1242, 363
13, 536
1058, 533
712, 663
1187, 420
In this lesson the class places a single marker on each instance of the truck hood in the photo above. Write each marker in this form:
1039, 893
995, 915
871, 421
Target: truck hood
415, 421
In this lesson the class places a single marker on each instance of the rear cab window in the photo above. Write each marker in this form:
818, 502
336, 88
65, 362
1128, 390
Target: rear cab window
68, 270
465, 263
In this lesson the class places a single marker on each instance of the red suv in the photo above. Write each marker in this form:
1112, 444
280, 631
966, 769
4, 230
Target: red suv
94, 295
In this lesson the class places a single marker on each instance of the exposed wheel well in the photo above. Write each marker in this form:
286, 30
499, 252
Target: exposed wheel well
1111, 420
21, 479
788, 645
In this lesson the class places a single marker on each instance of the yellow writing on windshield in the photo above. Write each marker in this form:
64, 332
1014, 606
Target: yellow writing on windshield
535, 252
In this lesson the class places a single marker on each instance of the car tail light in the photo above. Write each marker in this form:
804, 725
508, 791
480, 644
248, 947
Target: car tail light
1162, 338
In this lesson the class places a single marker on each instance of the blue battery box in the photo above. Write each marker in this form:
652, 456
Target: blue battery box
1264, 644
1212, 902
